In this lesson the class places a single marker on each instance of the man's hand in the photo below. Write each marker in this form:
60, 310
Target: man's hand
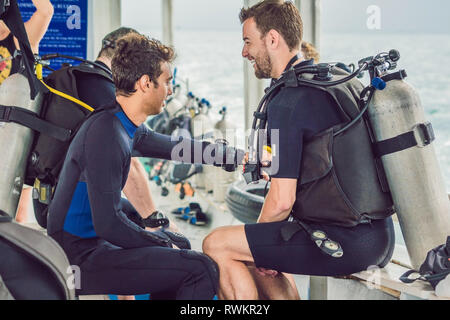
266, 159
173, 229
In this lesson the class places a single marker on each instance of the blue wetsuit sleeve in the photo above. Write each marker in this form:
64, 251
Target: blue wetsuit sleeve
105, 160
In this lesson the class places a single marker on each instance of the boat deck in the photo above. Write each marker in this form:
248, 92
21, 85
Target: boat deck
367, 285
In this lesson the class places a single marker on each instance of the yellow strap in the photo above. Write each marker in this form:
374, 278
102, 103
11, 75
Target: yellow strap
268, 149
59, 93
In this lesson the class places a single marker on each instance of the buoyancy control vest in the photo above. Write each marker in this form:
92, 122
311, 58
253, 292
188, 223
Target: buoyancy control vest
341, 181
48, 153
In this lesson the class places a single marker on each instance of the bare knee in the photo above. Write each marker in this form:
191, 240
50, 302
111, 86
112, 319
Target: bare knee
213, 243
228, 242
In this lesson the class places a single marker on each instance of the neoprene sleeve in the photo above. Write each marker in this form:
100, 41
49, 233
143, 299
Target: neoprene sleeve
104, 178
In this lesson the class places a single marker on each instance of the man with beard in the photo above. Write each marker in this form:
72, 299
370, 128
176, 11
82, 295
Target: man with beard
252, 257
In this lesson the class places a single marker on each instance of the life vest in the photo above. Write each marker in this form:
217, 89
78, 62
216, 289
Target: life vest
341, 182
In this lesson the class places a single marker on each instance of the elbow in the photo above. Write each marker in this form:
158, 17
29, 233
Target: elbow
46, 11
276, 212
284, 202
285, 205
50, 11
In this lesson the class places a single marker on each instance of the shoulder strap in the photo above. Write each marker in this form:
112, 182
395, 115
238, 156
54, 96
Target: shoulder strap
89, 68
13, 20
31, 120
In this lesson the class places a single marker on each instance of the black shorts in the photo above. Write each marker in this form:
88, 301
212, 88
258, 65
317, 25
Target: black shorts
364, 245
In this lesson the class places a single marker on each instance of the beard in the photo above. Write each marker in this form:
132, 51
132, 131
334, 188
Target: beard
263, 65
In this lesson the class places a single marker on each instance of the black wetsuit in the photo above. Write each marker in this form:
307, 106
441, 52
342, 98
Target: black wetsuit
86, 218
298, 114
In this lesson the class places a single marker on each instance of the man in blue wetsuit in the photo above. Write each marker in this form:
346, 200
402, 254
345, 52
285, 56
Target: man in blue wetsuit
86, 216
254, 258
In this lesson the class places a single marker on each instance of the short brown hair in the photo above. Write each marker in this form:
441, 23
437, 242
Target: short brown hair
138, 55
110, 40
278, 15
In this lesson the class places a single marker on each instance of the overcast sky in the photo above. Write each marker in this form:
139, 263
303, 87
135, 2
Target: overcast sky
412, 16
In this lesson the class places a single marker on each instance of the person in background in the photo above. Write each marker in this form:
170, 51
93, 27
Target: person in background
310, 52
36, 27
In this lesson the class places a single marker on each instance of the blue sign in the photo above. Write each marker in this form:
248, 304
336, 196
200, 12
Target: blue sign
67, 32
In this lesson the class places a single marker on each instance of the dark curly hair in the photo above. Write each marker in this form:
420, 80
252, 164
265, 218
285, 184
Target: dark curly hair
137, 55
277, 15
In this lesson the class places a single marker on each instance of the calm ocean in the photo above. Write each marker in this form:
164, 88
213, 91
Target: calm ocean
212, 62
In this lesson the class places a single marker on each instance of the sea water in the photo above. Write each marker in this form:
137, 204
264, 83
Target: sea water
212, 62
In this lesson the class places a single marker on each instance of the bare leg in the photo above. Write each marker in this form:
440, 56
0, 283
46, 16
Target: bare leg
228, 246
137, 191
25, 205
280, 287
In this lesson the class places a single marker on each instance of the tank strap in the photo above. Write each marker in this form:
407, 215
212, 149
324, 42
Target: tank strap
406, 140
4, 217
31, 120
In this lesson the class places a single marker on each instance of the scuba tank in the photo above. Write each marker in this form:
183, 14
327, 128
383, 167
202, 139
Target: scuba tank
176, 102
412, 169
226, 130
400, 140
179, 98
202, 129
15, 140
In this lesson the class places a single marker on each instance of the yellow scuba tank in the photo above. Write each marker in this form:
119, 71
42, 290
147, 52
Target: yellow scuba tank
413, 174
15, 140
